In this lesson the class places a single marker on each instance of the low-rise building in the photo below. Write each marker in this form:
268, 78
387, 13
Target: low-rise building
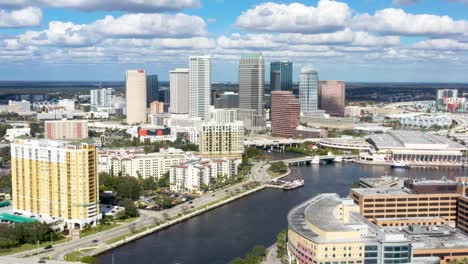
13, 133
330, 229
66, 129
134, 162
345, 143
195, 176
425, 202
414, 148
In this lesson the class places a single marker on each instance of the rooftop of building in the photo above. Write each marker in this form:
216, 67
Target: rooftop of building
413, 139
384, 181
381, 191
443, 237
318, 211
443, 181
27, 140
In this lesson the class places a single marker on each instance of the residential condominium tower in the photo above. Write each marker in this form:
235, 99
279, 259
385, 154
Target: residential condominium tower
66, 129
101, 97
135, 89
222, 140
55, 179
179, 83
281, 76
199, 86
251, 91
152, 89
308, 90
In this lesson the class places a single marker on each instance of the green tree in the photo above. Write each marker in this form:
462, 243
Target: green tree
3, 129
149, 183
279, 167
5, 155
5, 183
36, 128
130, 209
164, 181
281, 241
128, 188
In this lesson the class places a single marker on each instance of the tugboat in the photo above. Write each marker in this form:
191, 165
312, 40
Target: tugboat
293, 185
399, 165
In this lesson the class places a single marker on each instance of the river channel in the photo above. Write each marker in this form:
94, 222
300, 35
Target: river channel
230, 231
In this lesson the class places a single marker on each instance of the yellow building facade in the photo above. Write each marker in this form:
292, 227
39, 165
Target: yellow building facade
56, 180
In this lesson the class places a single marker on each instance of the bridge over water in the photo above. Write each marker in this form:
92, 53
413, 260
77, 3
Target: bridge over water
319, 159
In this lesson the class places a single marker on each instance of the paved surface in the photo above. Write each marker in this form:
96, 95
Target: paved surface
271, 256
13, 260
148, 218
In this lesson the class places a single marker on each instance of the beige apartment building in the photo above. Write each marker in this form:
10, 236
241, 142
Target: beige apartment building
135, 89
55, 180
66, 129
222, 140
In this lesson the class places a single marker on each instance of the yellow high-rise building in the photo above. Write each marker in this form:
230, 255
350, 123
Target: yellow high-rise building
55, 180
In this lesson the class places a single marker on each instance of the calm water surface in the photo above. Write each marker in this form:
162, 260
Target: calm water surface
232, 230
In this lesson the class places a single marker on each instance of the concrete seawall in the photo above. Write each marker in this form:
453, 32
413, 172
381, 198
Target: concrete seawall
173, 222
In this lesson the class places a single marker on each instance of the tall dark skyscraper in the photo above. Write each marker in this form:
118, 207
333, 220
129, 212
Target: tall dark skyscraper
281, 76
152, 89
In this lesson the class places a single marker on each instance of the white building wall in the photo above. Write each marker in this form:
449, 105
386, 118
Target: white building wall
199, 86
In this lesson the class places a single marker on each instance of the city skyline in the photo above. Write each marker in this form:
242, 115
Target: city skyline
45, 40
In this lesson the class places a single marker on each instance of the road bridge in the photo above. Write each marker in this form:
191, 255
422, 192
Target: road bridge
276, 143
318, 159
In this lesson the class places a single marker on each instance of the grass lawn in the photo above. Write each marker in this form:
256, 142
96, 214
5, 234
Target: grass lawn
121, 237
26, 247
97, 229
74, 256
273, 174
78, 256
128, 220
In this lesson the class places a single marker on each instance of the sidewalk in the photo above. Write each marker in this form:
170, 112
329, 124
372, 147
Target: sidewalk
271, 256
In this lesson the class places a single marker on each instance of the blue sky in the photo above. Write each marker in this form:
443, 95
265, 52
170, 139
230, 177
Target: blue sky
361, 40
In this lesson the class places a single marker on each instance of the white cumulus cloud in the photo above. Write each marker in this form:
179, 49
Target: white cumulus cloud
441, 44
393, 21
108, 5
126, 26
26, 17
328, 16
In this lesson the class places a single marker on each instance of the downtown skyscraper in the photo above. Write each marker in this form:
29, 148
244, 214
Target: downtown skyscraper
179, 89
152, 89
135, 89
199, 86
332, 97
308, 90
281, 76
251, 91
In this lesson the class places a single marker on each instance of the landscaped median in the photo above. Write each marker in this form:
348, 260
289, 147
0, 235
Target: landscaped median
80, 256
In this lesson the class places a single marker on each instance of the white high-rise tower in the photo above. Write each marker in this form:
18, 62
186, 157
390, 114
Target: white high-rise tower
251, 91
135, 89
199, 86
179, 88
